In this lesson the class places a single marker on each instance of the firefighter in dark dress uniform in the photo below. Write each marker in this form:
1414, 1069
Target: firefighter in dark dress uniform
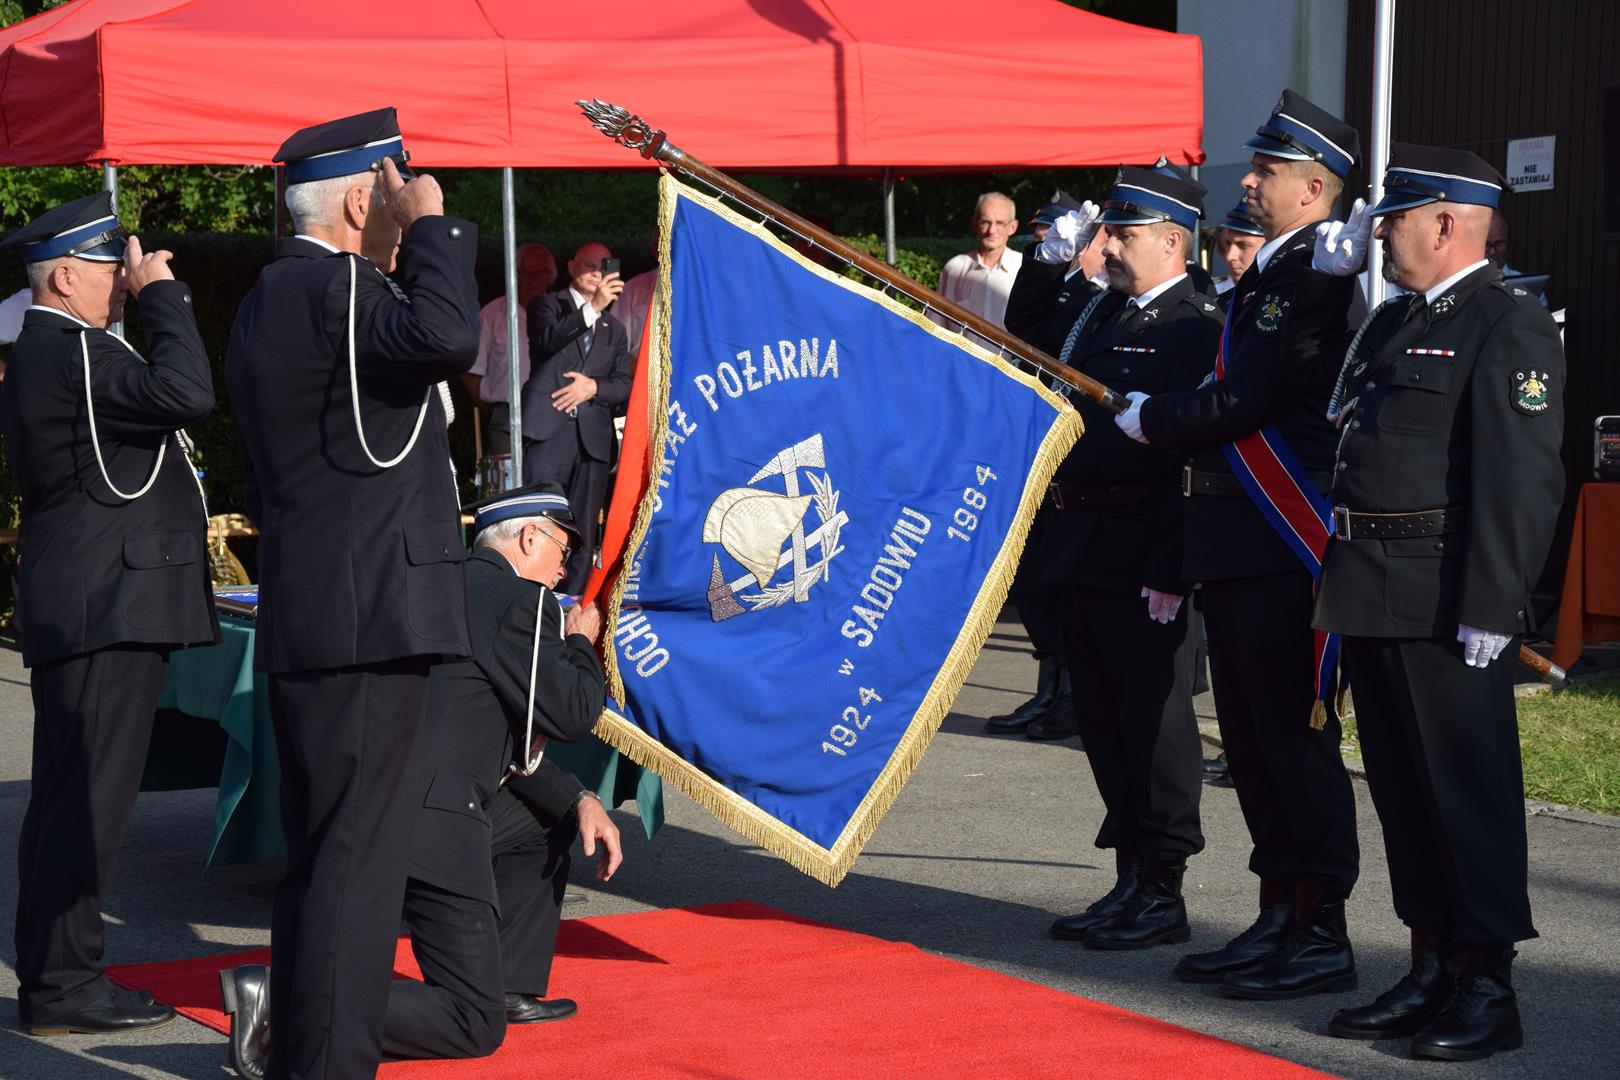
332, 374
111, 577
490, 853
1449, 480
1290, 779
1113, 544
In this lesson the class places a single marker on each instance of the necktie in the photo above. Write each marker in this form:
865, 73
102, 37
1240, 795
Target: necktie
1419, 305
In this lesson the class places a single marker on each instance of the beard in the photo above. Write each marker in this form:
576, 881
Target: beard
1390, 271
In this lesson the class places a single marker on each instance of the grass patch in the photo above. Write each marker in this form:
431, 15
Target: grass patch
1570, 743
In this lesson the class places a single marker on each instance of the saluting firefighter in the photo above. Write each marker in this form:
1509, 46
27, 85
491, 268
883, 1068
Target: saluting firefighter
1449, 480
111, 577
496, 817
332, 373
1258, 589
1112, 551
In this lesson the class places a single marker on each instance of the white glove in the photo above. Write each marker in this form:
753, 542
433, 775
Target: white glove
1480, 647
1162, 606
1069, 234
1130, 421
1341, 246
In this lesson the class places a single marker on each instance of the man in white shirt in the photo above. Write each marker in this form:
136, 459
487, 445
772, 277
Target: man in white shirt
490, 377
981, 280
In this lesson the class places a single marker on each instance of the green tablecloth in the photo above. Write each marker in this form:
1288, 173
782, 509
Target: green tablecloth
218, 683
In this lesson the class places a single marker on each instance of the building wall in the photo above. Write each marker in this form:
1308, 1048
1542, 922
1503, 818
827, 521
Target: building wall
1252, 51
1477, 73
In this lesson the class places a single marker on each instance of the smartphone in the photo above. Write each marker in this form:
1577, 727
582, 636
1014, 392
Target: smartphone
610, 266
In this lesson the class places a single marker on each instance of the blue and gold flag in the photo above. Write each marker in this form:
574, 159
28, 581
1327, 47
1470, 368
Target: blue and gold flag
840, 491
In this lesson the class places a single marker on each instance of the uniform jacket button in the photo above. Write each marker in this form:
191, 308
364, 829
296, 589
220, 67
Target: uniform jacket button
1343, 465
1371, 385
470, 806
455, 230
1355, 425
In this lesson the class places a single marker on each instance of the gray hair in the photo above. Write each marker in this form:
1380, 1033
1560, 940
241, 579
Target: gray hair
318, 203
39, 275
505, 532
987, 196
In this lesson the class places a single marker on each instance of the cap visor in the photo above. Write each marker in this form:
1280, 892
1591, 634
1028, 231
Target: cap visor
1395, 201
1260, 144
1129, 217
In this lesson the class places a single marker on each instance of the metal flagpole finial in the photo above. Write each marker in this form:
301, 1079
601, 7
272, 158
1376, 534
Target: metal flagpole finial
628, 130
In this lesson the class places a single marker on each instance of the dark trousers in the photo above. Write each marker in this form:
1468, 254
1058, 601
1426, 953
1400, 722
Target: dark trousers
498, 432
1441, 743
347, 740
1036, 601
92, 724
1290, 780
470, 957
563, 460
1135, 678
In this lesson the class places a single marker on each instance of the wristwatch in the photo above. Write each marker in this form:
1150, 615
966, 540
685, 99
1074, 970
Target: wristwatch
581, 797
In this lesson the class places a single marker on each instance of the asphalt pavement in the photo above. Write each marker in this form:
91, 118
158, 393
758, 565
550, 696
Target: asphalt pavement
990, 840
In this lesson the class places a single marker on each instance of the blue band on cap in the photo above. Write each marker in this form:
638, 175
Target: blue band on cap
101, 240
1406, 187
357, 159
1128, 204
1285, 137
518, 506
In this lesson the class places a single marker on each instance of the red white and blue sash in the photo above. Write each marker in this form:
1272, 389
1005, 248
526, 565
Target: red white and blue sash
1277, 482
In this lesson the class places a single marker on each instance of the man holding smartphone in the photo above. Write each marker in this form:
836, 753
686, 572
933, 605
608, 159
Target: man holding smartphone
579, 375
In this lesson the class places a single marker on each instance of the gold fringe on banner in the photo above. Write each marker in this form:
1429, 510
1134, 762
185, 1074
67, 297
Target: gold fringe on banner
828, 865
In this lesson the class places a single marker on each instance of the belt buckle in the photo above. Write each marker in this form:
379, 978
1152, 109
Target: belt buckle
1341, 523
1186, 481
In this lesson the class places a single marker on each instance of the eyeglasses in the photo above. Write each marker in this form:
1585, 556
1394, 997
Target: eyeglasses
564, 548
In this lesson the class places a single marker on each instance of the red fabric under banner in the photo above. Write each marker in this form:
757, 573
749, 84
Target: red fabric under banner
854, 85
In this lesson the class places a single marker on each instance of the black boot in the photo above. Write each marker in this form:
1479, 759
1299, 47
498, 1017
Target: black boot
1216, 772
1482, 1014
1403, 1010
1129, 871
1314, 958
1250, 947
1047, 683
1156, 915
1058, 721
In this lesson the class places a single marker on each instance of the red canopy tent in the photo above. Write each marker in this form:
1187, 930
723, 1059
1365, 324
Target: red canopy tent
746, 84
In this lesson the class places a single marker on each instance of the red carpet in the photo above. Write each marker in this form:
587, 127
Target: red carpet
740, 991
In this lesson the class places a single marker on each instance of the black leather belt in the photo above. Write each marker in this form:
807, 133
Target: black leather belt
1352, 525
1197, 482
1068, 497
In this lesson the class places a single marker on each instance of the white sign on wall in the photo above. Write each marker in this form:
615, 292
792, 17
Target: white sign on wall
1530, 164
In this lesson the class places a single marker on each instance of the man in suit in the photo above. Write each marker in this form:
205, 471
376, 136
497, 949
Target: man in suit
580, 374
1113, 541
1451, 408
1258, 591
1041, 308
490, 854
332, 372
111, 576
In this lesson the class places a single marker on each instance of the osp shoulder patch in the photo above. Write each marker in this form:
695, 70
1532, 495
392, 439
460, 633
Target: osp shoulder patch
1532, 392
1271, 314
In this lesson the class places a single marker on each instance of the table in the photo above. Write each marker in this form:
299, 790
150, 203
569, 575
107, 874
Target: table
1590, 608
217, 683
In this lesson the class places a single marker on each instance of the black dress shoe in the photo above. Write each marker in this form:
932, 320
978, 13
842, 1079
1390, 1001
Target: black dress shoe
1128, 869
1314, 958
1057, 722
1047, 685
1482, 1014
245, 993
1156, 915
1246, 950
135, 994
522, 1009
108, 1015
1407, 1007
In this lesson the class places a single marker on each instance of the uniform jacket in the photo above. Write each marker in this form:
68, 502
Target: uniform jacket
1164, 348
95, 569
1226, 536
476, 723
1043, 306
358, 564
1476, 425
557, 344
